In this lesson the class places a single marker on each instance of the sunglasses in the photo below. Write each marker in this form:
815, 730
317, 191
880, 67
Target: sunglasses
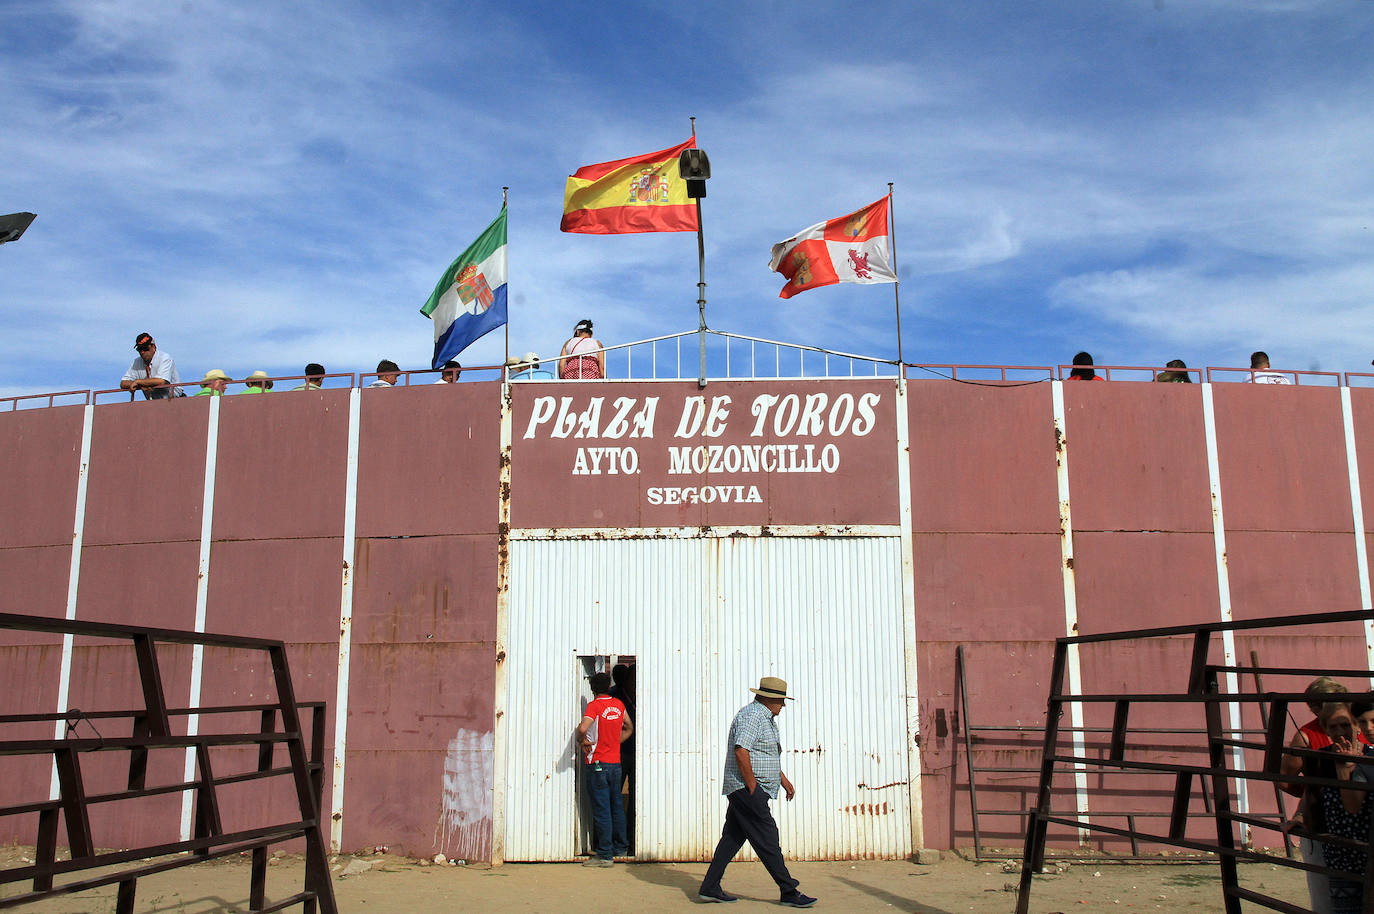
144, 347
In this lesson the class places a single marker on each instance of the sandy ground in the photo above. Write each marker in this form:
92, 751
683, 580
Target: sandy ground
394, 884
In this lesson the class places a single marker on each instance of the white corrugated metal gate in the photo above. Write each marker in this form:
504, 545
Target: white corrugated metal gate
705, 617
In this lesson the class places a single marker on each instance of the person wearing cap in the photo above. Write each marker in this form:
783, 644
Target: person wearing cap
387, 373
212, 385
256, 383
450, 372
753, 776
590, 364
314, 376
152, 372
527, 369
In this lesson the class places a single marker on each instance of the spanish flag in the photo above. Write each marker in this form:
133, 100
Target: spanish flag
639, 194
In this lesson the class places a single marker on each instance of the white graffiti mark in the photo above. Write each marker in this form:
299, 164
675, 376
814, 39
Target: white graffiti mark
464, 829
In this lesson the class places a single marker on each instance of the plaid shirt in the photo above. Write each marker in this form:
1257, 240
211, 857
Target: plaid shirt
755, 729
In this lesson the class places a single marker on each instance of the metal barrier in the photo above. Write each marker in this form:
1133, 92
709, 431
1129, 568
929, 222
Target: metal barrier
1006, 739
1225, 748
151, 729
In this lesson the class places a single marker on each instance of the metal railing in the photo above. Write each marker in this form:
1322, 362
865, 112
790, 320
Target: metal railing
1226, 761
733, 356
150, 730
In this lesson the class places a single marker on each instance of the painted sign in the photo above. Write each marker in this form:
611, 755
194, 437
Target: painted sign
666, 454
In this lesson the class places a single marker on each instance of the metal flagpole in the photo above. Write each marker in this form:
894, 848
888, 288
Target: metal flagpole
896, 298
504, 191
701, 288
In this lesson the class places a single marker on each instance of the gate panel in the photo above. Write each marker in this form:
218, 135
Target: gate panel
705, 618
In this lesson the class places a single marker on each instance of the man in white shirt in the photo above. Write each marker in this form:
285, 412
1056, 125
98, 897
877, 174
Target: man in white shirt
450, 372
1260, 373
387, 373
151, 372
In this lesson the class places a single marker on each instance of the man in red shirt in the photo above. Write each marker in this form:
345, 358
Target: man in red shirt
604, 726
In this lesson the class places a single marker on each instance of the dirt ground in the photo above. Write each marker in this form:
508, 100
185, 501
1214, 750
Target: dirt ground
395, 884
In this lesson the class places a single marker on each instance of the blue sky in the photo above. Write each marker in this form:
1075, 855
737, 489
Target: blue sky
261, 185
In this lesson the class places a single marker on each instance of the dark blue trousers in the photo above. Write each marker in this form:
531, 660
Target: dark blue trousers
749, 819
608, 813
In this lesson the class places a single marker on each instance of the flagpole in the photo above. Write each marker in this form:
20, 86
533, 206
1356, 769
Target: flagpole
701, 287
504, 191
896, 298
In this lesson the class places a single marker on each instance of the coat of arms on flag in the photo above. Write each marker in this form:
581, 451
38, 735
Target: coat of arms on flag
470, 298
471, 287
852, 248
642, 193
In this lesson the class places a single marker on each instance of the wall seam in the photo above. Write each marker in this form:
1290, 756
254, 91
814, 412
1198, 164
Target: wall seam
500, 683
1228, 638
1357, 520
350, 545
915, 800
1061, 439
64, 676
207, 513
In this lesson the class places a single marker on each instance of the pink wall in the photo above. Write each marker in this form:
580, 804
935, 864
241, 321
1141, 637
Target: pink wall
986, 557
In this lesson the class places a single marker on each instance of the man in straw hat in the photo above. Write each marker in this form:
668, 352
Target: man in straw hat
753, 776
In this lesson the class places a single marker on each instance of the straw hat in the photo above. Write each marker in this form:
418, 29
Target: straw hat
772, 687
259, 375
214, 374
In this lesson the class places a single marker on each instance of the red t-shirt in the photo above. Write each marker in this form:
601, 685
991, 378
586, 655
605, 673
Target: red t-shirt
608, 716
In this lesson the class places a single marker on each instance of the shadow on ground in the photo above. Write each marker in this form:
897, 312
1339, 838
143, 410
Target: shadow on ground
897, 901
667, 876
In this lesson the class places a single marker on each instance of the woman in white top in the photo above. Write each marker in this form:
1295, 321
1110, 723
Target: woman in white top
590, 366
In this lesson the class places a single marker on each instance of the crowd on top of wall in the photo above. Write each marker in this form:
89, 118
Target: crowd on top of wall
154, 372
582, 357
1176, 371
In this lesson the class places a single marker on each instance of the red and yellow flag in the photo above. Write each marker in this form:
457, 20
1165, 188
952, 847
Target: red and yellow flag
639, 194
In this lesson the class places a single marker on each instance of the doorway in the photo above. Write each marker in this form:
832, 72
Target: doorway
621, 668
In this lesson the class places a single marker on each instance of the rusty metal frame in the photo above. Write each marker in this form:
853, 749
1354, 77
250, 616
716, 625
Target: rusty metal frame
1202, 689
975, 734
151, 728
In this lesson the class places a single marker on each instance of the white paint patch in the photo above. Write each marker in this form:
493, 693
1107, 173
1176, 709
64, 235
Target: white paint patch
464, 830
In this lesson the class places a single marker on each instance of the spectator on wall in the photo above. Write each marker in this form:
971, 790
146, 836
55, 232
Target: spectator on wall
314, 377
1260, 373
1084, 370
527, 369
450, 372
387, 373
256, 383
212, 385
589, 364
1177, 377
152, 372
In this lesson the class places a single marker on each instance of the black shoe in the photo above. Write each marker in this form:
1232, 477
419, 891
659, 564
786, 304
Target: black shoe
714, 895
798, 900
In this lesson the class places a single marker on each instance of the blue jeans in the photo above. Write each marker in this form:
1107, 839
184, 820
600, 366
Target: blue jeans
608, 814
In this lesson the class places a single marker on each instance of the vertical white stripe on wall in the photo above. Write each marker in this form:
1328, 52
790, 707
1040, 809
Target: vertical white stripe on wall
1357, 513
1228, 639
500, 727
1080, 772
207, 513
345, 620
64, 679
913, 702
